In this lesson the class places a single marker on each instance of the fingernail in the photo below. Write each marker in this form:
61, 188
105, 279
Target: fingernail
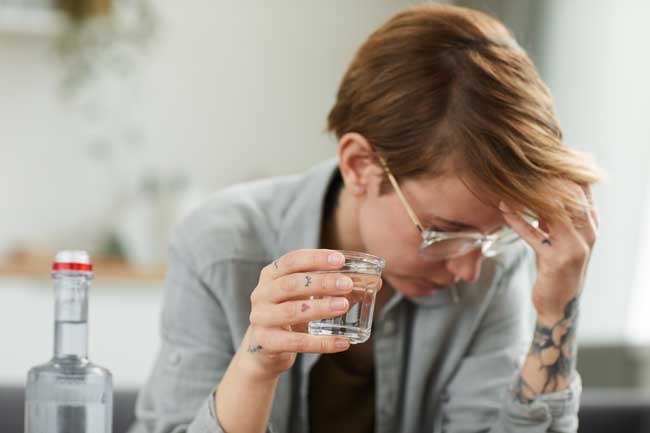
504, 207
338, 304
343, 283
336, 259
341, 344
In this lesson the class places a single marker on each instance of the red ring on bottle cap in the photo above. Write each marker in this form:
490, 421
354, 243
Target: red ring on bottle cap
72, 267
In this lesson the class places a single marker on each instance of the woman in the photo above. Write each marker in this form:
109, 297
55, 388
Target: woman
451, 166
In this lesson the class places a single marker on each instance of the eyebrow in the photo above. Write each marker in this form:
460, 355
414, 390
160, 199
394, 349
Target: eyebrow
455, 224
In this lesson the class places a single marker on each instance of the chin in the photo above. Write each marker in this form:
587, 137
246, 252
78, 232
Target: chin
411, 287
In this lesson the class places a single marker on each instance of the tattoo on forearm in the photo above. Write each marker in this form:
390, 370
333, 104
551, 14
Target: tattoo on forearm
307, 280
555, 349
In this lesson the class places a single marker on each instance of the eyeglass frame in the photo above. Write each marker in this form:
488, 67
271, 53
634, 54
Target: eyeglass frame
430, 237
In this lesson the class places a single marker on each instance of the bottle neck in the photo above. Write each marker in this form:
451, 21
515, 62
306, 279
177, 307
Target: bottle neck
71, 314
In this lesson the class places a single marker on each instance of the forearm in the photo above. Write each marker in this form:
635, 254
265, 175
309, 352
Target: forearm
551, 361
244, 398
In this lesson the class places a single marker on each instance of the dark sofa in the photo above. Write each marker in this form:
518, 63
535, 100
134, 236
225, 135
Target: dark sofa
601, 411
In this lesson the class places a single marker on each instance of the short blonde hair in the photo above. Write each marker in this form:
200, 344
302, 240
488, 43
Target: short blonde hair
438, 84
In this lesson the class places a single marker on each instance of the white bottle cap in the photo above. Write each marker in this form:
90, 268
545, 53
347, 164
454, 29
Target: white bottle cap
72, 260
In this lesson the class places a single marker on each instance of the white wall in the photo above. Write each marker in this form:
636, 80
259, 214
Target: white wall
128, 346
596, 62
637, 330
232, 90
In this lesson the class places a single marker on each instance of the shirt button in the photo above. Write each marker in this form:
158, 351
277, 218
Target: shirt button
389, 327
174, 358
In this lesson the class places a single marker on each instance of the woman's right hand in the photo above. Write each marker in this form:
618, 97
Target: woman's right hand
281, 300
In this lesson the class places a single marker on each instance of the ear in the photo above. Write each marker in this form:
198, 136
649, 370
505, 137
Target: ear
357, 162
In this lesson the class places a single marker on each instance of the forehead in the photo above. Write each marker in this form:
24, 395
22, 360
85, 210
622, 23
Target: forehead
448, 197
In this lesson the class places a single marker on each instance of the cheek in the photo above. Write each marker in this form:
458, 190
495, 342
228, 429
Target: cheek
392, 236
382, 232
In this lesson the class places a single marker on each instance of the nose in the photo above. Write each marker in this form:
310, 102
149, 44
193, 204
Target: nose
466, 267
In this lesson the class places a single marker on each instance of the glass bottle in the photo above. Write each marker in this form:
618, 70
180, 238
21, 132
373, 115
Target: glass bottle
69, 394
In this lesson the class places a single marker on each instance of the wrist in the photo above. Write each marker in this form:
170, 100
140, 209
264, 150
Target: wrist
253, 369
555, 306
549, 319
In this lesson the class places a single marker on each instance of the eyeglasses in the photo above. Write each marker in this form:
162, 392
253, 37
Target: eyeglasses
438, 245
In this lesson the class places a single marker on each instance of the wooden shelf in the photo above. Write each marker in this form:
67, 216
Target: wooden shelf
27, 265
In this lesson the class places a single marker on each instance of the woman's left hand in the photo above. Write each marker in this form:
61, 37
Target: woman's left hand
563, 246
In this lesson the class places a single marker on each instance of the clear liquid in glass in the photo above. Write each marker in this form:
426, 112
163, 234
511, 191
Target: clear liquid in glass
356, 323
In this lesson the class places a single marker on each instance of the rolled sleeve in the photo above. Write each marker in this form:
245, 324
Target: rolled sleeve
206, 420
554, 412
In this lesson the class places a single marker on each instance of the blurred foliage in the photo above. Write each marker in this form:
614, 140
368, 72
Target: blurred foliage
101, 36
79, 10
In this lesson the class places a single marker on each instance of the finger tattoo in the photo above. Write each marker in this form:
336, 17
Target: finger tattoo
546, 241
307, 280
275, 263
252, 348
304, 307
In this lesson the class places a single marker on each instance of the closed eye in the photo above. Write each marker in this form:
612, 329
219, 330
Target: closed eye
443, 229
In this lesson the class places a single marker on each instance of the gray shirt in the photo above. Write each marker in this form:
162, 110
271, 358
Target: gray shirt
443, 363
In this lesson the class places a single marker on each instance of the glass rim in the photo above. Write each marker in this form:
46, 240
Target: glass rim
364, 257
358, 262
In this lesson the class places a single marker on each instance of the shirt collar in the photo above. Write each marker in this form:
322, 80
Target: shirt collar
301, 226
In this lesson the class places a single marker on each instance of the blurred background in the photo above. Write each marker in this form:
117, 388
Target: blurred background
118, 116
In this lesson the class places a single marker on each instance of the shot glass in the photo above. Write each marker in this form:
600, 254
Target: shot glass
356, 323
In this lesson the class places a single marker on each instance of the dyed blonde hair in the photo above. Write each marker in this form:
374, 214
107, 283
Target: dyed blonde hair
442, 86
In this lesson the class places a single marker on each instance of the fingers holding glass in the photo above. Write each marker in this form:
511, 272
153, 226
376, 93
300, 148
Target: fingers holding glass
302, 261
279, 340
304, 285
300, 311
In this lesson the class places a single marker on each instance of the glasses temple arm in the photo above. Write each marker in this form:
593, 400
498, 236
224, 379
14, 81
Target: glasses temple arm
398, 190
